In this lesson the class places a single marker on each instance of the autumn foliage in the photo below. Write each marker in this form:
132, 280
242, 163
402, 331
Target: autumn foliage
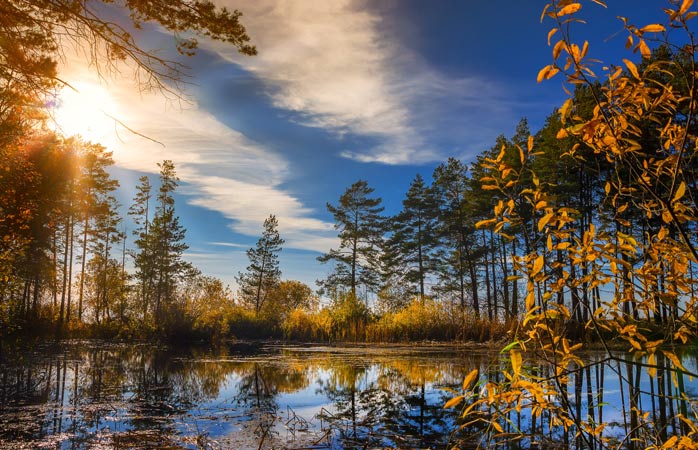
627, 271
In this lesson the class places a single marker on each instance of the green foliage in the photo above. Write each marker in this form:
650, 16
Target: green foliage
166, 244
458, 252
263, 273
360, 225
408, 254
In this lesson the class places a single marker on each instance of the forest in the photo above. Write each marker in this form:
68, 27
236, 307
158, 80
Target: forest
577, 225
580, 236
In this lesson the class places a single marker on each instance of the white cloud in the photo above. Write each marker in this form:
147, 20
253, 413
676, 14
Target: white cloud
223, 170
330, 62
325, 60
228, 244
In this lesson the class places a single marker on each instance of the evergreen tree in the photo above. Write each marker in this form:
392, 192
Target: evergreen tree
360, 228
263, 273
166, 244
95, 184
106, 235
460, 248
140, 210
409, 249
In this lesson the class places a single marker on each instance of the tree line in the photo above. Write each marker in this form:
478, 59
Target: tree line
64, 247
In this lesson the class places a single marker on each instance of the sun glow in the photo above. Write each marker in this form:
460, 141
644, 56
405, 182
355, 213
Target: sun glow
87, 110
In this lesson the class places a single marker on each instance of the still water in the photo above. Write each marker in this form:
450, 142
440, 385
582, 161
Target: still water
91, 394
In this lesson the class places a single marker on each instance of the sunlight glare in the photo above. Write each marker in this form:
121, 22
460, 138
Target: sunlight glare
88, 111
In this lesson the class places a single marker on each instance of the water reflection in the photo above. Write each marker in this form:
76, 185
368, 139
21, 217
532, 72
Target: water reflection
91, 394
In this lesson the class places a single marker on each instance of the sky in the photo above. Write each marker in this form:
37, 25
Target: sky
341, 90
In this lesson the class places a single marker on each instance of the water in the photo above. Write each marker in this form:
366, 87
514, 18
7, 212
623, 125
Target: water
97, 395
92, 394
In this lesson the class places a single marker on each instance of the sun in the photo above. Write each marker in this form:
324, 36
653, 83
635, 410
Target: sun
87, 110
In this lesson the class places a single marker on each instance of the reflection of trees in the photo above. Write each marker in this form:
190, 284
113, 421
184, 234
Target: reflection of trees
257, 390
341, 389
417, 421
137, 393
146, 397
384, 401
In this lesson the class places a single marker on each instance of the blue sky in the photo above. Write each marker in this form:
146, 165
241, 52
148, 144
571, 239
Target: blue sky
340, 91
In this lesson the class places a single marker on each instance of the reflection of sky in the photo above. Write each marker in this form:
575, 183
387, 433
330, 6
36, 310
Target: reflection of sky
203, 396
339, 91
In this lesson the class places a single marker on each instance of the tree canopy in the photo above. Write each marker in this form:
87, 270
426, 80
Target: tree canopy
34, 33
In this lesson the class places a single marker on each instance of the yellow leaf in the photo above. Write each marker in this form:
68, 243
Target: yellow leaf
565, 109
632, 68
468, 409
454, 402
551, 33
569, 9
541, 73
497, 427
651, 369
485, 223
468, 381
530, 299
551, 73
561, 134
563, 245
537, 265
685, 6
653, 28
671, 443
674, 359
530, 143
515, 362
558, 48
547, 73
661, 234
666, 216
636, 345
543, 221
644, 49
680, 191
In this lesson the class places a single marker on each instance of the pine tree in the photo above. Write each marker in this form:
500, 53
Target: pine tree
95, 183
263, 273
410, 247
360, 228
106, 234
166, 244
460, 251
140, 210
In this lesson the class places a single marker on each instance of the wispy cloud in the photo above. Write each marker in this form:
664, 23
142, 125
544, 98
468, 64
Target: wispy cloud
228, 244
222, 170
330, 63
